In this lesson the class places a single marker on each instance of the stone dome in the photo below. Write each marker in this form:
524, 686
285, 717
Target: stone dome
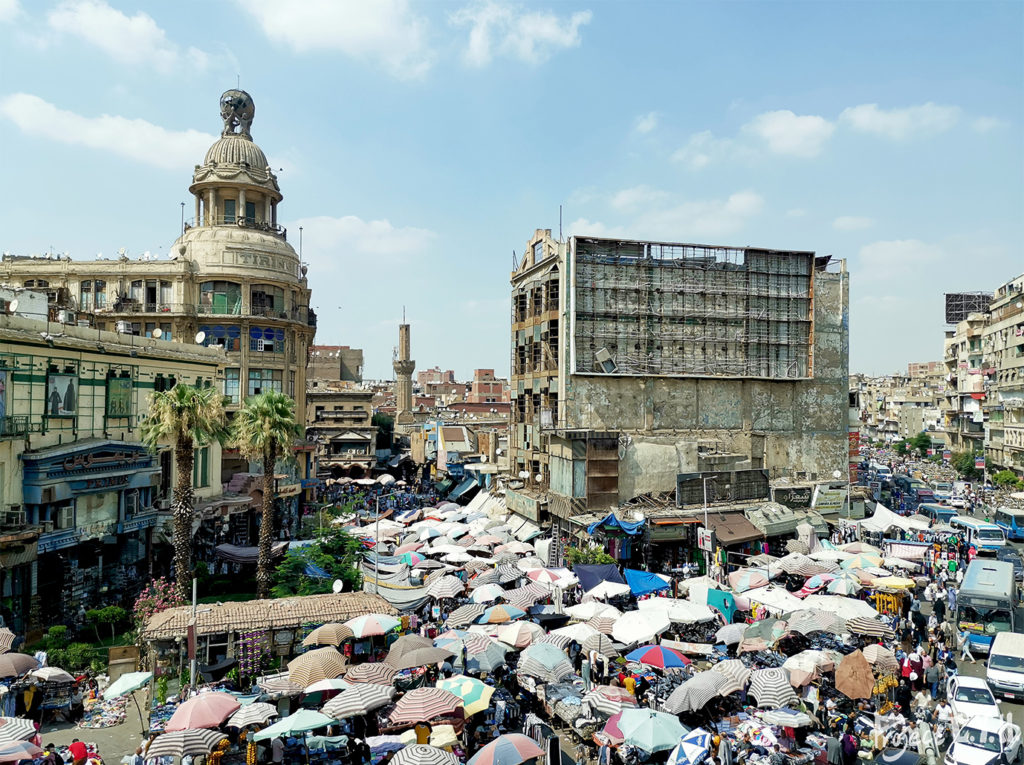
236, 150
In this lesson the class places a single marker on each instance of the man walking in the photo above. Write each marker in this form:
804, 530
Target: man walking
965, 647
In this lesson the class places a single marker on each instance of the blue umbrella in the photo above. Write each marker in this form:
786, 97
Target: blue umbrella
692, 749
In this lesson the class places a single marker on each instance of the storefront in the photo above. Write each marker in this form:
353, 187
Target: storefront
94, 501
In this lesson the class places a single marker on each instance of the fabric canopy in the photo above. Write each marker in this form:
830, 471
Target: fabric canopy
236, 554
611, 522
591, 575
644, 582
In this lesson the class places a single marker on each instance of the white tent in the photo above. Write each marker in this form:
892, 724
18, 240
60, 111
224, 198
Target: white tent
846, 608
679, 611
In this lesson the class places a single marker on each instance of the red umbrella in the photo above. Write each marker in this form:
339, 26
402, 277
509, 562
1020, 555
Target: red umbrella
207, 710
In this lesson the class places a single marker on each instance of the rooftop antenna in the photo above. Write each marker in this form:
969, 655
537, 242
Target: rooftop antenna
403, 314
183, 217
300, 244
238, 81
559, 220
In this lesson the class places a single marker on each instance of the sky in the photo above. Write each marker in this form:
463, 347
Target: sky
419, 144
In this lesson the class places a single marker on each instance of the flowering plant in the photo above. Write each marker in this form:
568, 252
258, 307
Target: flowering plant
253, 652
159, 595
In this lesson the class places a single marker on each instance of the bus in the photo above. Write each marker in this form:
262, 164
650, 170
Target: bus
986, 602
937, 513
1011, 521
986, 537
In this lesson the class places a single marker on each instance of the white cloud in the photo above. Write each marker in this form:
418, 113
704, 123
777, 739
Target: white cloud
885, 259
988, 124
385, 32
645, 123
135, 139
703, 148
499, 28
584, 227
637, 196
924, 119
852, 223
9, 10
134, 40
787, 133
796, 212
339, 239
703, 218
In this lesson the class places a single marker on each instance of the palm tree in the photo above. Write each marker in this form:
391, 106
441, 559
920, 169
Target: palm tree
264, 429
187, 417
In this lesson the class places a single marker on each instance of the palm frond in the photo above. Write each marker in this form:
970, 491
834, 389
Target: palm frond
266, 423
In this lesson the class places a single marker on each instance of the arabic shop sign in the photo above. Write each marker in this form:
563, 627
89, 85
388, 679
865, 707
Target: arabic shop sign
795, 497
101, 459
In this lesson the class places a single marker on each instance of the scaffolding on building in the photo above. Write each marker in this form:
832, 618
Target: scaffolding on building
648, 308
959, 305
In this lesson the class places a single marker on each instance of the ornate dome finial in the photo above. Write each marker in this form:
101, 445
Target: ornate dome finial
237, 111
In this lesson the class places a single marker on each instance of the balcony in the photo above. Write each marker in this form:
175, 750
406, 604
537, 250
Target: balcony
143, 307
254, 224
15, 426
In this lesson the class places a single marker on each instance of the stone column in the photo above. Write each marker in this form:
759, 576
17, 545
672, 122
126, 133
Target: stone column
212, 212
241, 204
267, 210
197, 220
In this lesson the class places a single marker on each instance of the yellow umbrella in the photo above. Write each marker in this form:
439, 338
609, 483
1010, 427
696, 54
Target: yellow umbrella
475, 695
893, 582
862, 560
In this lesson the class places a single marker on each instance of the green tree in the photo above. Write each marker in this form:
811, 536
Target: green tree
1005, 478
336, 552
963, 464
902, 449
922, 442
265, 429
187, 417
587, 555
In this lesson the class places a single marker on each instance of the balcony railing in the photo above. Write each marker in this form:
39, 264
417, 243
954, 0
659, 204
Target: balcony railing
234, 309
141, 306
256, 224
15, 426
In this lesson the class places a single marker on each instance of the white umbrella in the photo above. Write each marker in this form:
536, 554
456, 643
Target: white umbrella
487, 593
640, 628
680, 611
607, 590
846, 608
459, 557
585, 611
577, 632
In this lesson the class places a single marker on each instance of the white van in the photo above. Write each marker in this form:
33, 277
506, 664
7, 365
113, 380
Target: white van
1005, 673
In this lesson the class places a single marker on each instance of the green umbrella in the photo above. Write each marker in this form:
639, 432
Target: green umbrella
128, 683
649, 730
475, 695
301, 722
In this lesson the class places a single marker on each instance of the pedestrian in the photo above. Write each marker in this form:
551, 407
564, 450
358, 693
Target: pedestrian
931, 677
965, 647
277, 750
79, 753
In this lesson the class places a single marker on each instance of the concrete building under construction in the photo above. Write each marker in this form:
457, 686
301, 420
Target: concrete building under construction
634, 362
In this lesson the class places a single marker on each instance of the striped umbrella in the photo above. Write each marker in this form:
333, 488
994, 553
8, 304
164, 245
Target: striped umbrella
380, 673
6, 640
466, 614
882, 659
747, 579
16, 729
509, 572
487, 660
657, 656
358, 700
787, 718
862, 625
602, 644
487, 593
475, 695
807, 666
279, 684
544, 575
771, 688
423, 754
18, 751
183, 743
484, 577
691, 749
577, 632
862, 560
51, 675
446, 587
545, 662
411, 558
802, 565
609, 700
844, 585
259, 713
328, 634
495, 615
583, 611
562, 642
372, 624
736, 672
525, 597
603, 624
509, 749
696, 692
731, 633
204, 710
519, 634
811, 620
423, 705
318, 664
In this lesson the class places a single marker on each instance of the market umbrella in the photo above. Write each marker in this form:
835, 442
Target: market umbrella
484, 577
326, 685
603, 624
302, 721
509, 572
487, 660
862, 560
747, 578
872, 627
787, 718
489, 540
545, 662
508, 749
854, 677
51, 675
16, 729
446, 587
466, 614
649, 730
487, 593
806, 667
358, 700
844, 585
641, 627
608, 590
6, 640
17, 751
318, 664
423, 754
423, 705
763, 634
692, 749
811, 620
259, 713
420, 657
125, 684
475, 695
544, 576
609, 700
519, 634
404, 645
584, 611
409, 547
500, 615
278, 684
771, 688
882, 659
696, 692
845, 607
611, 731
328, 634
372, 624
731, 633
456, 640
184, 743
803, 565
859, 547
602, 644
578, 631
16, 664
894, 582
380, 673
657, 656
204, 710
736, 672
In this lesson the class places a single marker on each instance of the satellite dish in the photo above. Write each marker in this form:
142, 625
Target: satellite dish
158, 333
523, 474
200, 337
13, 305
539, 477
338, 585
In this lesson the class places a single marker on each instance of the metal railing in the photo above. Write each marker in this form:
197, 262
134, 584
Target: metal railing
142, 306
256, 224
15, 426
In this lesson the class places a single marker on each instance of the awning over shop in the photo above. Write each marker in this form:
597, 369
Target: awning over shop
733, 528
314, 571
773, 519
591, 575
612, 523
236, 554
526, 531
644, 582
462, 488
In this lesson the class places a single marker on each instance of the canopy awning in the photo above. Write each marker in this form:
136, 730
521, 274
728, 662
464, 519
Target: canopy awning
613, 523
466, 485
236, 554
644, 582
733, 528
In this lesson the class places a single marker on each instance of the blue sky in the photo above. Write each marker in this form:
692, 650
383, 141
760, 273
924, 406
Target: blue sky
422, 143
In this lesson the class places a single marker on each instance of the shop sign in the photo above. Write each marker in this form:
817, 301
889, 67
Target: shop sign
829, 500
795, 498
94, 460
706, 539
283, 637
290, 490
107, 482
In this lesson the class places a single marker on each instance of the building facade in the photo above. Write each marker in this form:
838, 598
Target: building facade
634, 362
339, 421
335, 362
486, 388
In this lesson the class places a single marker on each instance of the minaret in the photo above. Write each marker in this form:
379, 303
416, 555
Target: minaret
403, 366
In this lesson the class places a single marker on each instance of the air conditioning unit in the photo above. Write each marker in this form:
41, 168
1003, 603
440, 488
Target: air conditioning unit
162, 504
65, 316
124, 327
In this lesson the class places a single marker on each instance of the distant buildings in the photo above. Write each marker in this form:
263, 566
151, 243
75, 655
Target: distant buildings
335, 362
897, 407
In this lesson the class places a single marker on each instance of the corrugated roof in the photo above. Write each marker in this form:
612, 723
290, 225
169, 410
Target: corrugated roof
282, 613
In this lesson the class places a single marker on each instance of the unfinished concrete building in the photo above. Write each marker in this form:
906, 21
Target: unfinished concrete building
634, 362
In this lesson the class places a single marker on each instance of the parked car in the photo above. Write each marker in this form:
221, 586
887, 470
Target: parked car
970, 697
985, 741
1010, 555
958, 502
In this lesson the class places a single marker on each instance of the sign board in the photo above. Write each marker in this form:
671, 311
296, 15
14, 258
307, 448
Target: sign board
61, 395
828, 500
876, 489
947, 455
979, 462
706, 539
119, 397
793, 497
854, 445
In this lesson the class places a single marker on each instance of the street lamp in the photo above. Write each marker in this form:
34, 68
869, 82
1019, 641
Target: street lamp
707, 553
376, 543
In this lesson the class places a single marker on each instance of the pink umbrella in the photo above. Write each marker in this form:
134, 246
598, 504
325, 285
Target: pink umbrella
507, 749
543, 576
207, 710
611, 729
410, 548
488, 539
